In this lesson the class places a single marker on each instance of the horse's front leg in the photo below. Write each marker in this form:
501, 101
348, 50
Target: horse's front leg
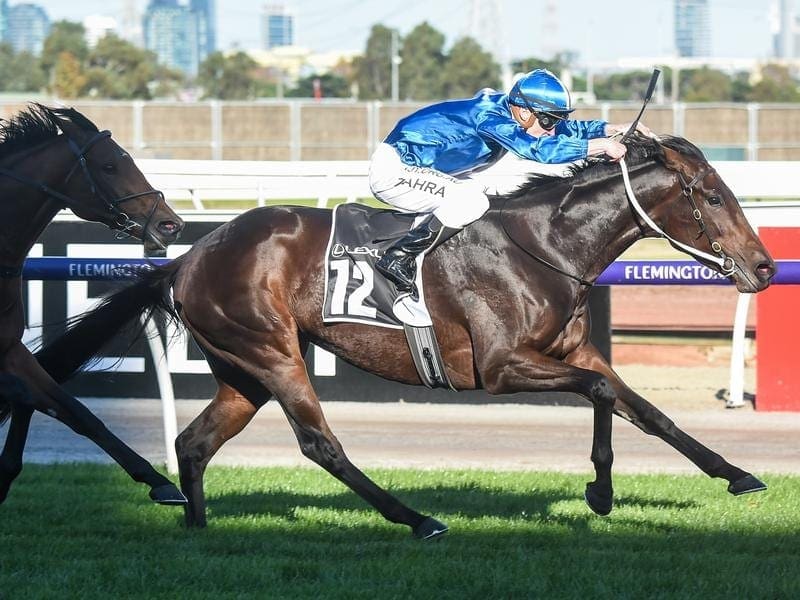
652, 421
529, 371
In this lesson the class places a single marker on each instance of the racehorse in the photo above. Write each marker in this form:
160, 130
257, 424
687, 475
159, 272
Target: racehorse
508, 297
50, 159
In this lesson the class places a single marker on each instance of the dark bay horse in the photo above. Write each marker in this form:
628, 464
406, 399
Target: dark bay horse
508, 297
52, 159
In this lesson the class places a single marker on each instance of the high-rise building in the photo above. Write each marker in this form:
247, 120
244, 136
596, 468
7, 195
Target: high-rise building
207, 25
180, 35
277, 26
27, 26
692, 28
3, 20
171, 31
785, 30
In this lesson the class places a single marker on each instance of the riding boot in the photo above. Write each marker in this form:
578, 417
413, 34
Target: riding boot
399, 262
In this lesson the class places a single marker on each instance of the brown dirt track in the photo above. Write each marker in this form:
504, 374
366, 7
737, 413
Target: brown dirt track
500, 436
691, 354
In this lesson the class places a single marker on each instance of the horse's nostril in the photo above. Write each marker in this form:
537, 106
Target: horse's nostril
765, 271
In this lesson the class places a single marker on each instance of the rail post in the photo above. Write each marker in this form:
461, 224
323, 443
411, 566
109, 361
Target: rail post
164, 379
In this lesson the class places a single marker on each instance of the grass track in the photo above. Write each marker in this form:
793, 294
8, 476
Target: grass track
86, 531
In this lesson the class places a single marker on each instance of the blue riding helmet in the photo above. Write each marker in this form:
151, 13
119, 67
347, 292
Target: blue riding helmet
542, 92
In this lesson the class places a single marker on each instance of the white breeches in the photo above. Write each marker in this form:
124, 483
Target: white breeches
456, 202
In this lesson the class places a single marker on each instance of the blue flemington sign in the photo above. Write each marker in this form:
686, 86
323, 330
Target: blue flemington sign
55, 268
653, 272
682, 272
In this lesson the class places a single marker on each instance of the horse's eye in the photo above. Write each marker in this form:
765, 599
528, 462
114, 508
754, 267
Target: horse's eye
714, 201
109, 168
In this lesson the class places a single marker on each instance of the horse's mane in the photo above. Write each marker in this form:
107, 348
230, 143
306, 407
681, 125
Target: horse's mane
35, 125
641, 150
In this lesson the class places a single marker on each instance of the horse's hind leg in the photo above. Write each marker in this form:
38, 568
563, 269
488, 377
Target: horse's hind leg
11, 458
259, 360
226, 415
15, 394
652, 421
317, 442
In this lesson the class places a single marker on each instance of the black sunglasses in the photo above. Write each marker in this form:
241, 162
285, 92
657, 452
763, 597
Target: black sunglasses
548, 121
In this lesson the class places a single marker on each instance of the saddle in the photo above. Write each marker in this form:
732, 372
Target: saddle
357, 293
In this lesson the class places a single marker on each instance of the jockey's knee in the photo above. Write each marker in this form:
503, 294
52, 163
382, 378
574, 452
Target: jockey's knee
461, 212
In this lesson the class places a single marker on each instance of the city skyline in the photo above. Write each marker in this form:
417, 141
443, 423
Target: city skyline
624, 28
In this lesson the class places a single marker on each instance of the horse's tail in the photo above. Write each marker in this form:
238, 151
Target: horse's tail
5, 410
89, 332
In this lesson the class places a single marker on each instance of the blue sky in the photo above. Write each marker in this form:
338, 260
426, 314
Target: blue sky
603, 31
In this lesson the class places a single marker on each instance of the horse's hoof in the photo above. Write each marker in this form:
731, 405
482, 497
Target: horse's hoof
195, 524
167, 494
746, 485
429, 529
191, 521
600, 504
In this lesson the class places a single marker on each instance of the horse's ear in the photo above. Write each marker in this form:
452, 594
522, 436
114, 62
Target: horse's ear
672, 159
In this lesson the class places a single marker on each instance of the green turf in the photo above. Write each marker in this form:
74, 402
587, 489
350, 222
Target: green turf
78, 531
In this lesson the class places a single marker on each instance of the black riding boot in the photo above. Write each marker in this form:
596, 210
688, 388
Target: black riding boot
399, 263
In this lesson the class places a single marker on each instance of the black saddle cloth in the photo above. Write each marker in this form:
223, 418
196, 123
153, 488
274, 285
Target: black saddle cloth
355, 292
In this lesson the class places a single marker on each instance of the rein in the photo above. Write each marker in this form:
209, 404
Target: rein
121, 219
537, 258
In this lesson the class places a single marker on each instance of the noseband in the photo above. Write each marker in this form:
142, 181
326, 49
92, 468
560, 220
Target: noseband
112, 205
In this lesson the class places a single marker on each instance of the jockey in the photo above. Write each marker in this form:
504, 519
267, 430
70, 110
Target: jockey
426, 163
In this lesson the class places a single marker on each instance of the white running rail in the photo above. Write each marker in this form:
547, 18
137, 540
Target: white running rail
322, 181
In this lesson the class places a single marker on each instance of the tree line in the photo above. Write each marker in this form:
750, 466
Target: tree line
68, 68
427, 70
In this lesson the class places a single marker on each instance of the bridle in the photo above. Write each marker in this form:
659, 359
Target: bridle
122, 222
726, 264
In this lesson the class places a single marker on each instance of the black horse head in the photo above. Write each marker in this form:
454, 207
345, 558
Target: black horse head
61, 152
